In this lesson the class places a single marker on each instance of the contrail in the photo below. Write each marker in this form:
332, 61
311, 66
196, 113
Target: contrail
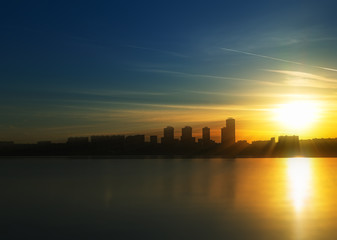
328, 69
262, 56
278, 59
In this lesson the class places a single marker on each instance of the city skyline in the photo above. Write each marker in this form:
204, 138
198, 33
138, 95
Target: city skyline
171, 145
171, 135
168, 119
122, 67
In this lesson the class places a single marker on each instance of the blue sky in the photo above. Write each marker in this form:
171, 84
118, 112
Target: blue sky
110, 67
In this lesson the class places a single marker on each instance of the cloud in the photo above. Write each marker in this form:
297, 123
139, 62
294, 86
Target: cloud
303, 79
265, 95
261, 56
209, 76
328, 69
279, 59
304, 75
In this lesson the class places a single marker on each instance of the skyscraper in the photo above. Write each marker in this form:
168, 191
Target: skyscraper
186, 135
224, 135
228, 132
206, 134
230, 125
168, 135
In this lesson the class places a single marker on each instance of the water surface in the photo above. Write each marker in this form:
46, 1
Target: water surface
66, 198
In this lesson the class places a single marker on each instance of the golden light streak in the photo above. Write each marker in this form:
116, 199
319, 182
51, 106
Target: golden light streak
299, 175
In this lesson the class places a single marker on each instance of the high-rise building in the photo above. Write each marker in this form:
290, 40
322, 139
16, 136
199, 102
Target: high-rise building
230, 125
168, 135
186, 135
206, 134
223, 135
228, 132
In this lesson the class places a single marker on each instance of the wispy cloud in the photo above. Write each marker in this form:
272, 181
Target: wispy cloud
304, 79
304, 75
278, 59
204, 107
209, 76
261, 56
129, 105
272, 95
328, 69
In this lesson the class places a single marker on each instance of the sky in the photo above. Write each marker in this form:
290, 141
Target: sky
82, 68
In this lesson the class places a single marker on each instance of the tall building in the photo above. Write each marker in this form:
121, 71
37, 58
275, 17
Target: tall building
230, 125
206, 134
223, 135
228, 132
168, 135
186, 135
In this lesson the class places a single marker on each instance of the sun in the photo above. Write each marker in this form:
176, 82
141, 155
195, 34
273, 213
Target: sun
297, 114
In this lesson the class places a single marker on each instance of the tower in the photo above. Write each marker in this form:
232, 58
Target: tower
206, 134
228, 132
230, 125
168, 135
186, 135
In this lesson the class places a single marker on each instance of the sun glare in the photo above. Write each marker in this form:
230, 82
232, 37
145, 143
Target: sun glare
297, 114
299, 178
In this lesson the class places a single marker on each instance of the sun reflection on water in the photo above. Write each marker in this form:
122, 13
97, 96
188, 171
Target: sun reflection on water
299, 173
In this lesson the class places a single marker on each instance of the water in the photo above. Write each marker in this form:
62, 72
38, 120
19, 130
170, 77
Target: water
64, 198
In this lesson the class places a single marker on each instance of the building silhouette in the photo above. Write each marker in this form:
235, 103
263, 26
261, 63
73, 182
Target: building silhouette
153, 139
186, 135
107, 139
262, 143
168, 135
228, 133
230, 125
107, 144
287, 146
206, 134
6, 143
135, 140
44, 143
78, 140
288, 139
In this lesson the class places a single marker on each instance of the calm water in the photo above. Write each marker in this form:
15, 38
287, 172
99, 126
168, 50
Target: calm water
60, 198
